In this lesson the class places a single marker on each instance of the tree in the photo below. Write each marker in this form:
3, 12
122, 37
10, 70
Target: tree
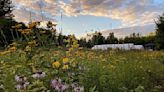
90, 44
135, 38
98, 39
160, 32
5, 21
111, 39
82, 42
5, 8
60, 39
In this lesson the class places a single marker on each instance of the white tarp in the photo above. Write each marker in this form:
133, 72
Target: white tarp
127, 46
138, 47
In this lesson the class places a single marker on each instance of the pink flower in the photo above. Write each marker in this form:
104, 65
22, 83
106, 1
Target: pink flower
58, 85
22, 85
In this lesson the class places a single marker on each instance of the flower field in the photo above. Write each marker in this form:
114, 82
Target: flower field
51, 70
81, 46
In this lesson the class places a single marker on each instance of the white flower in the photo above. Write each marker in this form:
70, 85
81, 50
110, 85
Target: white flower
1, 86
20, 78
39, 75
78, 89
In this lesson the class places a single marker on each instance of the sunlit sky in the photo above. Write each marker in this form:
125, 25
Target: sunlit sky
84, 16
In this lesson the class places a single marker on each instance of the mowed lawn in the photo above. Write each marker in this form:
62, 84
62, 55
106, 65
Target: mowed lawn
102, 71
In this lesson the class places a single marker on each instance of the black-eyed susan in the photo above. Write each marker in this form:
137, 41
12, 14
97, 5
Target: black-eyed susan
33, 24
28, 49
26, 31
56, 64
17, 26
12, 49
65, 61
32, 43
4, 52
65, 67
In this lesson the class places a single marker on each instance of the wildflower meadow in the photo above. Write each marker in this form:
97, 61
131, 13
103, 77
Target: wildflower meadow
26, 67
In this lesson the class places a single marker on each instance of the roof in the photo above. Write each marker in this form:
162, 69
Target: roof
150, 44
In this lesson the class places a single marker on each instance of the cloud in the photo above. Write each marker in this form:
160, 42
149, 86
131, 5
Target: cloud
38, 10
129, 12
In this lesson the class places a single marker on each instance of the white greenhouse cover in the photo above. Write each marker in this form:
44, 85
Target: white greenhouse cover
127, 46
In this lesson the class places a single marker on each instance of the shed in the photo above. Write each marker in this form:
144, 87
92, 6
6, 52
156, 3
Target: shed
150, 46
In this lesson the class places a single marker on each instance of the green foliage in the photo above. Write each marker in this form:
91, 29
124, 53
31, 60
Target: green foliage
101, 71
98, 39
160, 32
111, 39
7, 34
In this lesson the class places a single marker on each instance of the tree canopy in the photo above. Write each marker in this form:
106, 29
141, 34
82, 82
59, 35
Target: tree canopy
5, 8
160, 32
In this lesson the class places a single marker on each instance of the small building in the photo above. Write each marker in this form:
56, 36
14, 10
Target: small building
150, 46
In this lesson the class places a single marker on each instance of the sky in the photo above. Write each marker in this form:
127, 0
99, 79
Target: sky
85, 16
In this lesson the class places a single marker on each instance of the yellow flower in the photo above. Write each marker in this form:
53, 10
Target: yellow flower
32, 25
65, 60
32, 43
71, 49
26, 31
74, 64
17, 26
4, 52
12, 49
28, 48
13, 44
56, 64
112, 66
65, 67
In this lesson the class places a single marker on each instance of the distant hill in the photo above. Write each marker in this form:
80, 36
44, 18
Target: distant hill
122, 32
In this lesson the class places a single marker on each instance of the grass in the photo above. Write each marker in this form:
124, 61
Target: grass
102, 71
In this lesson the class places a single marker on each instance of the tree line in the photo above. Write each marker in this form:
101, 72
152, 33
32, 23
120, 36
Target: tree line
98, 39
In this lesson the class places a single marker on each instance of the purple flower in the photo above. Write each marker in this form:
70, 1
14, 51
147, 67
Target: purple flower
61, 87
22, 85
20, 78
39, 75
58, 85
